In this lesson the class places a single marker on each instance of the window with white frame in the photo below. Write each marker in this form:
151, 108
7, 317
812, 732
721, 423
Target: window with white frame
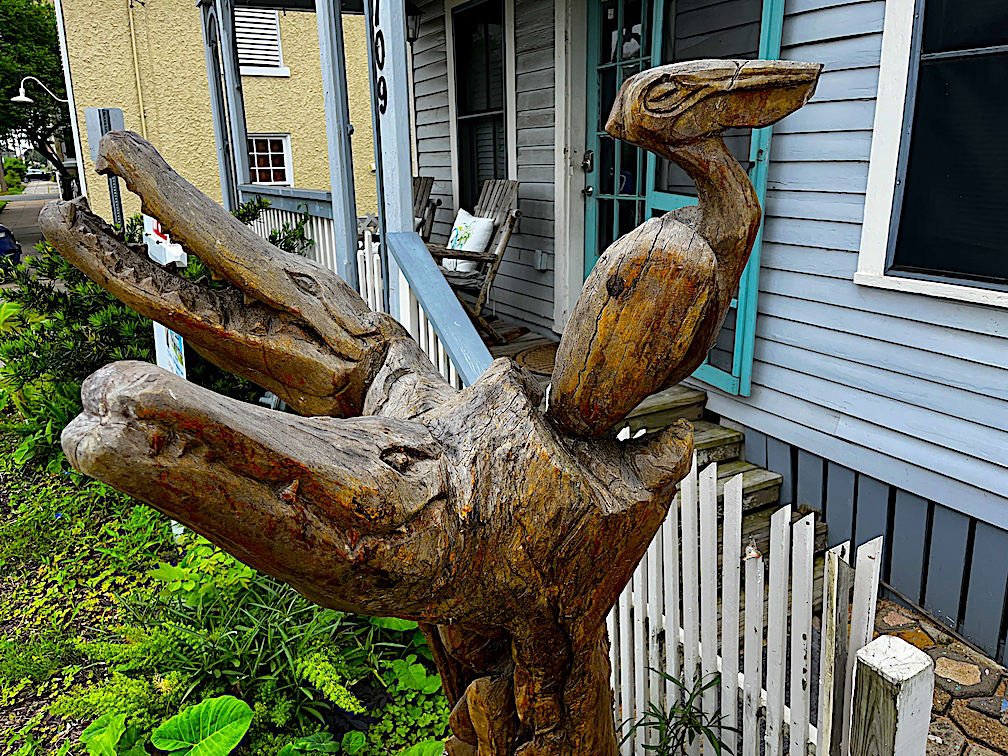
257, 37
935, 218
270, 159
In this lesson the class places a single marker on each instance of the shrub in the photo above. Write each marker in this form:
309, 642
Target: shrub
15, 166
65, 327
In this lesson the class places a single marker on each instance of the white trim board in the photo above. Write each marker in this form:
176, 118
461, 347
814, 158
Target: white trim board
510, 109
570, 92
890, 106
74, 127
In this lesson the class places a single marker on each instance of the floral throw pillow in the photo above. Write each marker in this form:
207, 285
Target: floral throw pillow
471, 234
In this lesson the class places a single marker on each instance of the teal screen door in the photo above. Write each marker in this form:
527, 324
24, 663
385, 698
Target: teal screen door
627, 185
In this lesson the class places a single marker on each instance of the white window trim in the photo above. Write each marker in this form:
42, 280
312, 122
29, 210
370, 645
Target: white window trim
288, 162
280, 71
510, 108
890, 105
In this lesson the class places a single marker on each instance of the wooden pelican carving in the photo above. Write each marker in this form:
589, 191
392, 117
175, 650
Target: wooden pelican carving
651, 309
509, 534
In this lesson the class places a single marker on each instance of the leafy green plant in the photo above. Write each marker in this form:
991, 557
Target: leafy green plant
322, 742
213, 727
56, 328
684, 721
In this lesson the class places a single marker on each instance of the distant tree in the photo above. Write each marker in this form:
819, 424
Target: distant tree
29, 46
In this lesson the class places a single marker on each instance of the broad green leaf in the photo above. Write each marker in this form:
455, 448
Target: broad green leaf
168, 573
393, 623
213, 727
426, 748
102, 735
287, 750
320, 742
131, 743
353, 742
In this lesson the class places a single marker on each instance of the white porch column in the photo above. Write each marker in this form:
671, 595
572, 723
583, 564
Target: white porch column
338, 130
390, 113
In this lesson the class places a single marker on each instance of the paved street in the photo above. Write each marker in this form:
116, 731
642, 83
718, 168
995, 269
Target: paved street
21, 216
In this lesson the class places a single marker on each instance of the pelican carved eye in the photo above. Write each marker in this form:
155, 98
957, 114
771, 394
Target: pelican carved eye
402, 458
665, 94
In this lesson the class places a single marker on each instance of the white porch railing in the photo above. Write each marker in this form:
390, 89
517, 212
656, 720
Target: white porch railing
288, 206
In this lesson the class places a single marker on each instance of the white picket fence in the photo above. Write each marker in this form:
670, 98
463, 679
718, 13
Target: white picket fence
674, 594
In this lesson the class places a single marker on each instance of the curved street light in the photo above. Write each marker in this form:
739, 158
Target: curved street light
22, 97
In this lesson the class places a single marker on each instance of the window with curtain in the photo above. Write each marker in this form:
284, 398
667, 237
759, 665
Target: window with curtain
478, 41
950, 218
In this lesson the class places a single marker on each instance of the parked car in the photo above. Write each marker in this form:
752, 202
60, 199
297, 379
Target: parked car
38, 174
10, 249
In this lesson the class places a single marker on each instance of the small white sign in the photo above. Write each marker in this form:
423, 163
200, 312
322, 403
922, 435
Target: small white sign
159, 245
169, 349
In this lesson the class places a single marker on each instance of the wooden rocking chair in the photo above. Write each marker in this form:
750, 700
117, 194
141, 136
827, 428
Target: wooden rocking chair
424, 207
498, 200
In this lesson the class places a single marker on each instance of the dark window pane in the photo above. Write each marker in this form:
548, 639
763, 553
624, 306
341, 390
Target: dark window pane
610, 32
627, 216
262, 161
964, 24
606, 165
722, 354
629, 156
280, 175
277, 160
953, 219
479, 57
482, 155
607, 95
606, 227
705, 30
276, 145
632, 42
262, 145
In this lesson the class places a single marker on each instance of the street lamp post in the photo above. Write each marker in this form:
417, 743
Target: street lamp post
23, 98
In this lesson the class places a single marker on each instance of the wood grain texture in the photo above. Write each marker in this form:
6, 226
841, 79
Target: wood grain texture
507, 532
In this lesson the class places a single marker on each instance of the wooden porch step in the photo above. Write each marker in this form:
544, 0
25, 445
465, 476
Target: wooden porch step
716, 443
665, 407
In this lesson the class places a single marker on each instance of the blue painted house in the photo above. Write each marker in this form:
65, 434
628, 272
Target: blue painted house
867, 357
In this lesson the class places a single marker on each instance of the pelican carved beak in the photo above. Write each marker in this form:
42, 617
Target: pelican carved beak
683, 102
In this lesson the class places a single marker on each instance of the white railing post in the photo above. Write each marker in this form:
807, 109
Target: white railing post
894, 684
867, 568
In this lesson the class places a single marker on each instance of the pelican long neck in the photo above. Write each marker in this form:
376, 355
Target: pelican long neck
729, 207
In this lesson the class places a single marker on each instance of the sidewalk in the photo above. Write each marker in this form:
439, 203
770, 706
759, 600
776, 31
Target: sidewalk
21, 216
970, 712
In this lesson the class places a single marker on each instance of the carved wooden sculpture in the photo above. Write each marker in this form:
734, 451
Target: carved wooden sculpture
507, 533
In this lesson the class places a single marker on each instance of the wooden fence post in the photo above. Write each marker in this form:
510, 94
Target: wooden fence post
894, 683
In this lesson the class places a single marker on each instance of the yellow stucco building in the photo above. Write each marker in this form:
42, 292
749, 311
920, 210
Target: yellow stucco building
149, 61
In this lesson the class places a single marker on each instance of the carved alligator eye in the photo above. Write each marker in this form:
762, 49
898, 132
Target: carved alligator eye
402, 458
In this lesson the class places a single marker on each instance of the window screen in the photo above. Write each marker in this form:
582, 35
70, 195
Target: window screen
952, 220
478, 31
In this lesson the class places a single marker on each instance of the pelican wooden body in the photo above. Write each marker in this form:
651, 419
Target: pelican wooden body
507, 532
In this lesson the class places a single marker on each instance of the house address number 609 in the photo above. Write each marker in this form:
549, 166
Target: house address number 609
378, 53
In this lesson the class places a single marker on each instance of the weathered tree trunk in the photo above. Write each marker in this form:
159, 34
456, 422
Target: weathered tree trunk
508, 534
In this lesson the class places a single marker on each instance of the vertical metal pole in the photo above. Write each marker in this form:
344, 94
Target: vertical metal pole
388, 72
338, 130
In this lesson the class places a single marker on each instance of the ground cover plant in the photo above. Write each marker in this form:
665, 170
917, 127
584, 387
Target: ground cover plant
105, 614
